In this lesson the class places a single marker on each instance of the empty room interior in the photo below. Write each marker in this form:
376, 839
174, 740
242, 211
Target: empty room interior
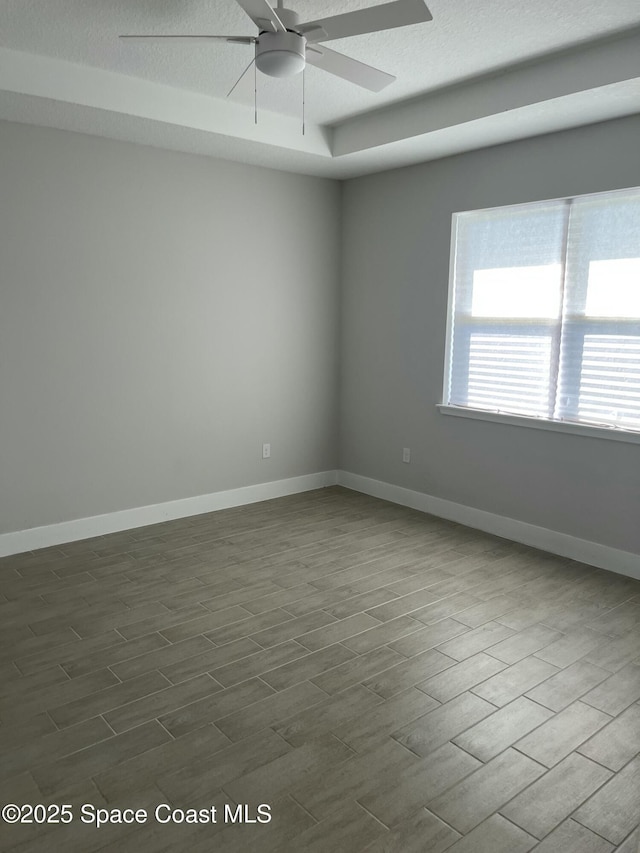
319, 426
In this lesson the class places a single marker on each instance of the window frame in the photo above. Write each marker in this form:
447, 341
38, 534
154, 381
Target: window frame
580, 325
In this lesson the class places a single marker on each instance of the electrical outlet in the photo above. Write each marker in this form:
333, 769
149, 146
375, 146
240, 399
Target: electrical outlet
266, 451
406, 454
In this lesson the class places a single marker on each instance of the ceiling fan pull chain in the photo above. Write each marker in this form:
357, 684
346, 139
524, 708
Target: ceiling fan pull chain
303, 101
233, 88
255, 93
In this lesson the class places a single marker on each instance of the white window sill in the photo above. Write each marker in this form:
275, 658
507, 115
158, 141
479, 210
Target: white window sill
538, 423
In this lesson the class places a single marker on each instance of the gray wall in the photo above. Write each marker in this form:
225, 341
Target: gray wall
161, 315
396, 233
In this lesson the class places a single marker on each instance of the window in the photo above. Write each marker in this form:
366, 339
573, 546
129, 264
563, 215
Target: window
544, 311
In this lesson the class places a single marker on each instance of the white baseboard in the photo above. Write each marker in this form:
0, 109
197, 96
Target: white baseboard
113, 522
602, 556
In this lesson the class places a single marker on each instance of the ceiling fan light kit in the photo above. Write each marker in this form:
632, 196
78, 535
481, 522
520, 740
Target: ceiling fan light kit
280, 54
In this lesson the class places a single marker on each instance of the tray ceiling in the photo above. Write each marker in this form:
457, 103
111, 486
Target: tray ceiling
478, 74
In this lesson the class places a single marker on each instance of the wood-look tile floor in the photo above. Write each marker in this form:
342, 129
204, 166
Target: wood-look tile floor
383, 680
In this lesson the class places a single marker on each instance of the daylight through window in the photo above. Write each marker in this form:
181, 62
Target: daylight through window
544, 311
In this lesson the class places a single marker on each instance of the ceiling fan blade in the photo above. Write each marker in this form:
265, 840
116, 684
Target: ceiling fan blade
194, 39
399, 13
262, 15
312, 32
347, 68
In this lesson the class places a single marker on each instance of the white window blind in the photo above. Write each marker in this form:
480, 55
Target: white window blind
544, 310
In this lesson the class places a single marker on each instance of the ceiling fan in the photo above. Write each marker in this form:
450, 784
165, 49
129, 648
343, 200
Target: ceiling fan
284, 46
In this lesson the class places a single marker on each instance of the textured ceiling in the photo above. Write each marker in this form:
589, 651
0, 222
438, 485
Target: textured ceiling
465, 40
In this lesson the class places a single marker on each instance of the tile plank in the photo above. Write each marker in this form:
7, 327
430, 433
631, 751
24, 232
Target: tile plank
433, 729
161, 702
503, 728
95, 759
461, 677
563, 733
613, 811
618, 742
267, 710
484, 792
571, 837
495, 835
384, 719
550, 800
401, 795
406, 674
567, 685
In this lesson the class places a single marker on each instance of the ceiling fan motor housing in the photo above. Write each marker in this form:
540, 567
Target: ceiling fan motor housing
280, 54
